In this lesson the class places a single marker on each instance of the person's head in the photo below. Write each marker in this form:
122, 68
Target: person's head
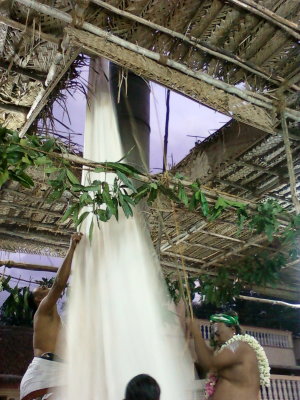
142, 387
36, 296
224, 326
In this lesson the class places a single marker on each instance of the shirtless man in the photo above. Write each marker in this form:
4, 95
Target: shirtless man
235, 367
42, 374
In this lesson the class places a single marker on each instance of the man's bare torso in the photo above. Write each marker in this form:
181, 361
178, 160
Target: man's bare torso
241, 381
47, 328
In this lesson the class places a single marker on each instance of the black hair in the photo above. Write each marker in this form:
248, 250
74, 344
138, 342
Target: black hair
142, 387
238, 329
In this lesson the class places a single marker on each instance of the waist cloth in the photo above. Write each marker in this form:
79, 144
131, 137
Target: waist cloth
41, 377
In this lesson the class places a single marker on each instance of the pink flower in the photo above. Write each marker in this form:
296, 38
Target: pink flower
210, 385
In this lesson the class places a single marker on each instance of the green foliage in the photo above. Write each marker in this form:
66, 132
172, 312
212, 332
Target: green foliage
179, 289
265, 220
15, 310
103, 201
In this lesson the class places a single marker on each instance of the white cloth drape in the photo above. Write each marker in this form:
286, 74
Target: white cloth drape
118, 322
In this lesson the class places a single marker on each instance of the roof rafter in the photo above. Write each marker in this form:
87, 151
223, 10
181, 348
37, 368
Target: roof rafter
290, 27
206, 47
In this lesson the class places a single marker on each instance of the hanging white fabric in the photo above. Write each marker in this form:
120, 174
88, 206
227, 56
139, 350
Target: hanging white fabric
119, 324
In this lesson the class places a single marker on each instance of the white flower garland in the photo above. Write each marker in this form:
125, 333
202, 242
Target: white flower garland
263, 363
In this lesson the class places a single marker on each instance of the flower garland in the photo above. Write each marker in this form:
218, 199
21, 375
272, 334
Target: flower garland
263, 363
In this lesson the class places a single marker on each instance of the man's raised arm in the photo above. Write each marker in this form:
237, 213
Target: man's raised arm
204, 354
61, 278
209, 360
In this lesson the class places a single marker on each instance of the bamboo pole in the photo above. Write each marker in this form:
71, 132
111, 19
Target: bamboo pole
204, 246
22, 207
253, 98
176, 255
268, 301
38, 237
290, 164
290, 27
26, 266
236, 250
28, 223
203, 46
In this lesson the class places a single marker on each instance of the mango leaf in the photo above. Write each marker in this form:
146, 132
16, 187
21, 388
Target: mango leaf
55, 195
85, 199
126, 207
4, 176
81, 218
69, 212
127, 181
42, 161
102, 214
108, 199
26, 160
182, 194
125, 168
200, 196
195, 186
167, 192
50, 170
142, 192
93, 187
152, 195
99, 169
23, 178
72, 178
48, 145
77, 188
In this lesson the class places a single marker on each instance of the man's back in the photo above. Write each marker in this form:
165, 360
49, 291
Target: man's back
239, 381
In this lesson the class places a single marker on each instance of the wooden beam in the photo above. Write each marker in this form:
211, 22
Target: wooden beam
196, 43
13, 108
60, 69
29, 73
100, 38
31, 267
290, 27
184, 80
24, 28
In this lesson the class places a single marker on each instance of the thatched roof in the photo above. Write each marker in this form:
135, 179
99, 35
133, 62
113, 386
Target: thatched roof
240, 57
202, 49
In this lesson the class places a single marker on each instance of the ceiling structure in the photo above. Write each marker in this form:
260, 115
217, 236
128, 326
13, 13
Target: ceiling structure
239, 57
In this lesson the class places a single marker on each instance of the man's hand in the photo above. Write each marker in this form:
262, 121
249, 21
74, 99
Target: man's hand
75, 239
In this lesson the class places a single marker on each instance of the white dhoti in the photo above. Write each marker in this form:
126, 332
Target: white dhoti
41, 378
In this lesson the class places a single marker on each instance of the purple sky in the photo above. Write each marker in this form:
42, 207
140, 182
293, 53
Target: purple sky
187, 117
